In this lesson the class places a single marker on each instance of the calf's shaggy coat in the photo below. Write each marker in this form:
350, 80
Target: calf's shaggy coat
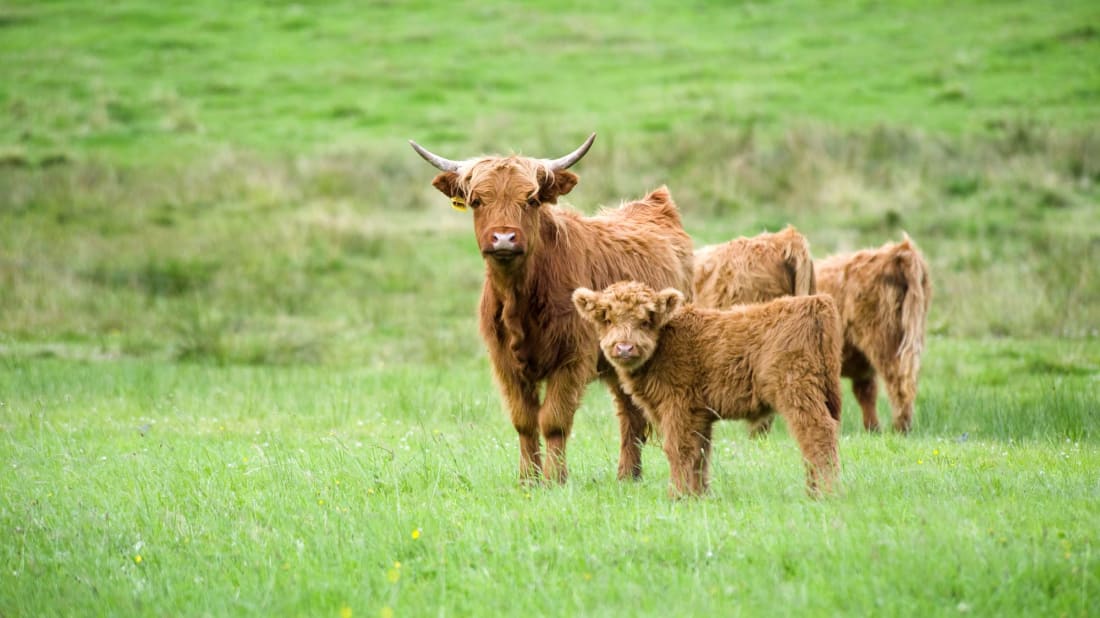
883, 295
535, 255
753, 270
689, 367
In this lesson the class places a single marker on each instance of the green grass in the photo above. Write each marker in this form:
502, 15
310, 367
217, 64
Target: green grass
140, 81
284, 491
238, 333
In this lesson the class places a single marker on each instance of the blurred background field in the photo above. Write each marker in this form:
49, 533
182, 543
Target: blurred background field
194, 182
239, 362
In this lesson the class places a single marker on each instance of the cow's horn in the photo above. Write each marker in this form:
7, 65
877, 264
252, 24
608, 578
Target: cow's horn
573, 157
444, 164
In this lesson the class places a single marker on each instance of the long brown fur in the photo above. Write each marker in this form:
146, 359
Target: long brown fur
689, 367
883, 295
527, 321
754, 270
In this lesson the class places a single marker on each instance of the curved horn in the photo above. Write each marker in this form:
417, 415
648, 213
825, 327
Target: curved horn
573, 157
444, 164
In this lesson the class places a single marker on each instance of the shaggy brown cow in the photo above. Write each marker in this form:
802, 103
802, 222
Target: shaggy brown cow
535, 255
690, 367
753, 270
883, 295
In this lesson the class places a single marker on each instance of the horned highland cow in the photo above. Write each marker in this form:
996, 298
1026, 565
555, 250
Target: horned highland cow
883, 295
689, 367
535, 255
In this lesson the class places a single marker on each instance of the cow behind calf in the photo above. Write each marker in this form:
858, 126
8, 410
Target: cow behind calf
753, 270
689, 367
535, 255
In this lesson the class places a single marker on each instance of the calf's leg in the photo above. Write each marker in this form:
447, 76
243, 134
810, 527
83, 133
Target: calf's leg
687, 442
816, 434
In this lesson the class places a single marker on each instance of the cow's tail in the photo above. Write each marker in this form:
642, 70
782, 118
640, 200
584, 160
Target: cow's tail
914, 306
796, 253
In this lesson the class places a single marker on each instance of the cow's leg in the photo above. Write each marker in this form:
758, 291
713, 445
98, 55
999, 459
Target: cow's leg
564, 389
523, 405
902, 390
633, 429
901, 386
865, 389
864, 386
761, 427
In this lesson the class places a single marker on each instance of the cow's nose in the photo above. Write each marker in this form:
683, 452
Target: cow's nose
624, 349
502, 237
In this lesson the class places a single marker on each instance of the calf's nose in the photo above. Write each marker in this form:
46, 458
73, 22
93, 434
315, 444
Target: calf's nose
624, 349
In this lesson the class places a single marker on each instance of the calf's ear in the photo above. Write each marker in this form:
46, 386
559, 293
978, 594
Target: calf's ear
668, 301
585, 300
555, 184
447, 183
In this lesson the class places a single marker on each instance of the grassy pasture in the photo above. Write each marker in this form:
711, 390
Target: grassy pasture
299, 490
239, 369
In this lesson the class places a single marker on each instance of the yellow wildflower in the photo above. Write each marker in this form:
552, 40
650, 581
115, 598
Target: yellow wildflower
345, 612
387, 612
137, 559
416, 534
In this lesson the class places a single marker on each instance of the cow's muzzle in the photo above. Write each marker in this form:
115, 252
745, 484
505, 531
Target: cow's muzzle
503, 244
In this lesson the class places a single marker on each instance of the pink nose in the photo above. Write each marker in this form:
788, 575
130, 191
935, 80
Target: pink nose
624, 349
504, 238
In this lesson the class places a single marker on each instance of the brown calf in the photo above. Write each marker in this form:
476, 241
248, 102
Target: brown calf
690, 367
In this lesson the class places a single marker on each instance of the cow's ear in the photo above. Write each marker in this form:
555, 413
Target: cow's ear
587, 303
556, 184
447, 183
668, 301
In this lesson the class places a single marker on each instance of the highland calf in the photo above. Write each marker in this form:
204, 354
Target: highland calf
689, 367
535, 255
753, 270
883, 295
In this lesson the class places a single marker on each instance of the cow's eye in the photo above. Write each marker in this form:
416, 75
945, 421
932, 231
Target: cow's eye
533, 202
475, 202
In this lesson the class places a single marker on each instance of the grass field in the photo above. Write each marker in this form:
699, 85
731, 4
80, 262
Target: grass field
239, 368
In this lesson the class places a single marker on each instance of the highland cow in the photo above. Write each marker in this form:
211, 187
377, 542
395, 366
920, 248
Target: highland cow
753, 270
883, 295
689, 367
535, 255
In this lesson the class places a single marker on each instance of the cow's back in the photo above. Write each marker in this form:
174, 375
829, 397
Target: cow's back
753, 270
643, 240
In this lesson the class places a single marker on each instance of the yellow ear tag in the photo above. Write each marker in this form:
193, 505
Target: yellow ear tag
458, 204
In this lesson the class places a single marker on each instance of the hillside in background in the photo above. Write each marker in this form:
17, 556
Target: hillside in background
199, 182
